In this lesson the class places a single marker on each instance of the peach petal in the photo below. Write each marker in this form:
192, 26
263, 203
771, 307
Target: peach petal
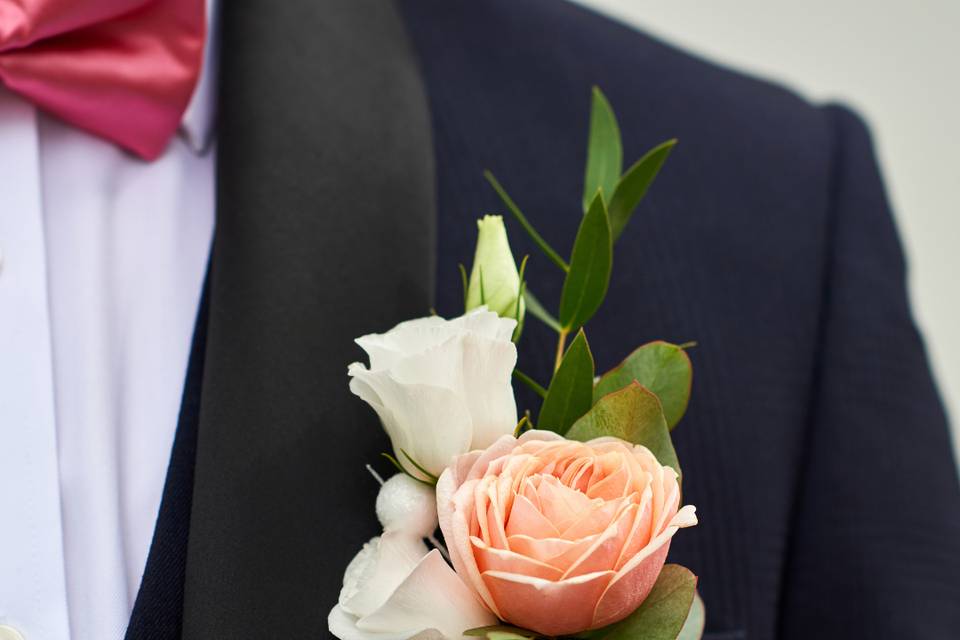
631, 586
613, 486
480, 522
561, 505
594, 520
503, 446
525, 518
639, 535
556, 552
549, 608
452, 507
603, 554
633, 583
502, 560
496, 533
671, 503
530, 492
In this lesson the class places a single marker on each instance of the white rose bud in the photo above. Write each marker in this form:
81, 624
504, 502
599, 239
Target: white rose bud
440, 387
494, 280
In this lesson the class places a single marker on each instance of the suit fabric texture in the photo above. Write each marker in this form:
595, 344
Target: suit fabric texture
353, 135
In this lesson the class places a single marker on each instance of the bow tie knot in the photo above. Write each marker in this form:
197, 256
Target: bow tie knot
120, 69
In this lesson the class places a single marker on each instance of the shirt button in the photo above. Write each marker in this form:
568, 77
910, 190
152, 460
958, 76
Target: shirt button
9, 633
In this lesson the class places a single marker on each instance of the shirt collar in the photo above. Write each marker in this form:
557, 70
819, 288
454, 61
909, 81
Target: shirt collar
197, 123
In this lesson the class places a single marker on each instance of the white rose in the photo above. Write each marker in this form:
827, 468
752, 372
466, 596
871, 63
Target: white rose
441, 387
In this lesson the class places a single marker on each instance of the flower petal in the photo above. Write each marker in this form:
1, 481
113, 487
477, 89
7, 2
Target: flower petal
506, 561
407, 338
602, 555
556, 552
378, 569
454, 509
634, 581
432, 424
548, 607
486, 374
526, 519
631, 585
431, 597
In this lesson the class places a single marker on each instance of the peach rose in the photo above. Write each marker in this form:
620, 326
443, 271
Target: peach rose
559, 536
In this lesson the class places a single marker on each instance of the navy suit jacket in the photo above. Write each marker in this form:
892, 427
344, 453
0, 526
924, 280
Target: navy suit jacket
353, 135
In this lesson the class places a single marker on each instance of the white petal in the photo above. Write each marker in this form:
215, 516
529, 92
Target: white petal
486, 324
440, 366
487, 387
432, 597
431, 424
344, 626
407, 338
380, 567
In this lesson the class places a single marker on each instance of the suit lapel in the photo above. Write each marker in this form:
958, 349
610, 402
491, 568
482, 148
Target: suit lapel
325, 231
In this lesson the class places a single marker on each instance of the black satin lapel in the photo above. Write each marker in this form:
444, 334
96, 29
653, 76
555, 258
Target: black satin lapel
325, 231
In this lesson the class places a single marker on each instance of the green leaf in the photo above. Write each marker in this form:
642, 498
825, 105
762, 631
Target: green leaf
632, 414
571, 391
590, 265
522, 219
604, 151
633, 185
661, 367
696, 619
536, 308
500, 632
662, 614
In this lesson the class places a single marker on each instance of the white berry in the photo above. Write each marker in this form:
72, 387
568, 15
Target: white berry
404, 504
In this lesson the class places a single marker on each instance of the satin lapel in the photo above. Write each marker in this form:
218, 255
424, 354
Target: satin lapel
325, 231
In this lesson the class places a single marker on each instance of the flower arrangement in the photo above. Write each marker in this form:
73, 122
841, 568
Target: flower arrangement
554, 527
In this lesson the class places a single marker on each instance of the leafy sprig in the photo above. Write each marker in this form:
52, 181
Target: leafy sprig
643, 398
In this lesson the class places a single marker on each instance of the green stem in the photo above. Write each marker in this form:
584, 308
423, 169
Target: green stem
561, 347
522, 219
532, 384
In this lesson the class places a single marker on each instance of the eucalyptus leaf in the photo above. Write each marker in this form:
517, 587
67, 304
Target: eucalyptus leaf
662, 614
571, 391
604, 151
661, 367
696, 619
633, 186
590, 265
633, 414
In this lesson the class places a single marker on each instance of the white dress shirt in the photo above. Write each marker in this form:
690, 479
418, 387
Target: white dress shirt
102, 259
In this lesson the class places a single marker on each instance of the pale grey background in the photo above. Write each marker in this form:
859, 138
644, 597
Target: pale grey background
898, 64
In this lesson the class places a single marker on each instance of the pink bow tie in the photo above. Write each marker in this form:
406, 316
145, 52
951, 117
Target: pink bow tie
121, 69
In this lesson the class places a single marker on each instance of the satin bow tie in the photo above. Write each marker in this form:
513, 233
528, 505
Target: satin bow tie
121, 69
